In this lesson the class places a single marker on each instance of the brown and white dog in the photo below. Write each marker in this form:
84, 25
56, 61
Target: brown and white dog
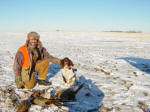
68, 74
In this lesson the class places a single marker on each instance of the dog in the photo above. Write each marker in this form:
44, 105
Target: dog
67, 71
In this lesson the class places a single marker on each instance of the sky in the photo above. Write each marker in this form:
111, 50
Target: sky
93, 15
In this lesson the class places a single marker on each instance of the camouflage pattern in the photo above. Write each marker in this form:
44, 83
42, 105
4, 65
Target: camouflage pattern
39, 54
19, 82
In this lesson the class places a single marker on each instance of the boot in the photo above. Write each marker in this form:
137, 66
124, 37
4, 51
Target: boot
43, 82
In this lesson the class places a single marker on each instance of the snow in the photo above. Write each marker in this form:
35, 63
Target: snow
114, 64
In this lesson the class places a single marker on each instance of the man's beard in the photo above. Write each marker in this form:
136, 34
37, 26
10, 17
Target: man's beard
32, 47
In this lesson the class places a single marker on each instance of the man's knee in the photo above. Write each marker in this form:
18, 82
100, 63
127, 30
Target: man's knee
42, 64
45, 61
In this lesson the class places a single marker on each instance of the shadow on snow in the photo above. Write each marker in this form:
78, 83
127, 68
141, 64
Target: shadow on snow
140, 63
88, 99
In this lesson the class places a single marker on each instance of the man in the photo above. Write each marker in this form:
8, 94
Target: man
32, 57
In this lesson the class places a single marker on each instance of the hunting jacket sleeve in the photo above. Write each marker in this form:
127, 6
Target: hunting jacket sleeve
50, 57
18, 63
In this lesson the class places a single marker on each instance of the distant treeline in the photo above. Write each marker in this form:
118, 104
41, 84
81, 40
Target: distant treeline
130, 31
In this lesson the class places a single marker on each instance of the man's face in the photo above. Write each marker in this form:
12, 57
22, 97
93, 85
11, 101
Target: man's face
33, 42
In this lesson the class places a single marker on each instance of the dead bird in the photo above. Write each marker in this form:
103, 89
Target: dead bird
24, 106
8, 93
68, 94
37, 99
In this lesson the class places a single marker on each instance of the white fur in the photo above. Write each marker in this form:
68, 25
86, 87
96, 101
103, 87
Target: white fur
68, 74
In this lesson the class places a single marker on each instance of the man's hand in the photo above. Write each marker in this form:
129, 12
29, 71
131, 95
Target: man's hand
19, 82
66, 62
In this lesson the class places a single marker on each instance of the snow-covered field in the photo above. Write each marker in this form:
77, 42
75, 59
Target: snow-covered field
117, 63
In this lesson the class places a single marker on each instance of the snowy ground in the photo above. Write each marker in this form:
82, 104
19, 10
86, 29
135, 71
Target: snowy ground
117, 63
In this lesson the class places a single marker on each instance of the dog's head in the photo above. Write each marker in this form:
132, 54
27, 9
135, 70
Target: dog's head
66, 62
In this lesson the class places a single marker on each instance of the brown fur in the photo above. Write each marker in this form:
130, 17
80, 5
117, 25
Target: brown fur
66, 62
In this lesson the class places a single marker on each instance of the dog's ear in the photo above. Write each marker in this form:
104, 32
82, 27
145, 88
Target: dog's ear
62, 63
70, 63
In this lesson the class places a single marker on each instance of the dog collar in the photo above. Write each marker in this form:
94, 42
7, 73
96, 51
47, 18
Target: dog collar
68, 67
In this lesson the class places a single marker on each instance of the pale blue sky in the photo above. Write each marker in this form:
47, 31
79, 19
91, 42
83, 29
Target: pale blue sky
75, 15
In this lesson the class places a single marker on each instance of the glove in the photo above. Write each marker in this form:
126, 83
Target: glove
19, 82
66, 62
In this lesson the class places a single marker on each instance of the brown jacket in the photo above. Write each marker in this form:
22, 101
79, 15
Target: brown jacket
17, 67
